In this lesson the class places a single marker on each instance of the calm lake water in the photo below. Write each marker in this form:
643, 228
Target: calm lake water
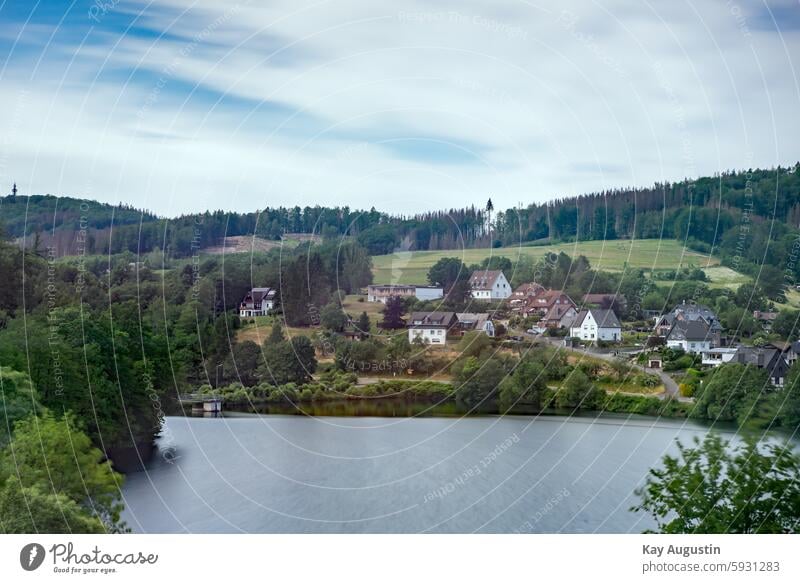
294, 473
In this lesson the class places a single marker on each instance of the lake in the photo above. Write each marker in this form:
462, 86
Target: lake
496, 474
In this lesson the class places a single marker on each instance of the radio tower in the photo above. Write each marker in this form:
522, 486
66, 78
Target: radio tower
14, 190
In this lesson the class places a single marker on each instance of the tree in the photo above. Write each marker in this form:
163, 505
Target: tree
18, 400
447, 272
786, 324
333, 318
362, 325
393, 313
578, 392
527, 384
288, 362
243, 362
276, 334
730, 393
715, 487
51, 455
477, 381
786, 403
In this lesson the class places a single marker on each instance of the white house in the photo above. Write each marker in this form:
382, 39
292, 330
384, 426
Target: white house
718, 356
489, 285
257, 302
596, 324
694, 336
431, 327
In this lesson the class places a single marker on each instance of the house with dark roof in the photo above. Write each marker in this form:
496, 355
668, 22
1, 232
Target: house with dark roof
689, 312
693, 336
596, 324
616, 302
468, 322
431, 327
542, 303
257, 302
487, 284
769, 358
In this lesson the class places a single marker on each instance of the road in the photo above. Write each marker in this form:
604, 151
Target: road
670, 386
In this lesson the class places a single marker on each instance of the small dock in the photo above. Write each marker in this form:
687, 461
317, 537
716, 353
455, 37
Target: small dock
199, 402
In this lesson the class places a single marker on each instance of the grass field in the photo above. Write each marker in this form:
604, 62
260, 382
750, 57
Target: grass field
413, 266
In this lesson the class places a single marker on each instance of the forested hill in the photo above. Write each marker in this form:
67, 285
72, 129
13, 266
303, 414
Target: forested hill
706, 213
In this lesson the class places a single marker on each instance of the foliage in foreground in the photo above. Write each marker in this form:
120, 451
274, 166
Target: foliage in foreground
716, 487
53, 480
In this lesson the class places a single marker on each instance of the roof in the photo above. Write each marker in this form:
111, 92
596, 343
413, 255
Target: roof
760, 357
484, 278
529, 289
689, 330
603, 318
547, 299
558, 311
766, 316
693, 311
431, 319
259, 293
473, 320
603, 298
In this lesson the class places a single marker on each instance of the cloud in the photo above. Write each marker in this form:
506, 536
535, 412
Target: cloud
185, 105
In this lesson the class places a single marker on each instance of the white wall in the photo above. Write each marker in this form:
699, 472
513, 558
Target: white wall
429, 335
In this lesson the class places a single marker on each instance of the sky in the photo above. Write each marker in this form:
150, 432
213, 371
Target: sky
179, 106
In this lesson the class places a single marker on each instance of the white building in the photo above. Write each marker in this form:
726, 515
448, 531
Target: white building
489, 285
431, 327
718, 356
381, 293
257, 302
693, 336
596, 324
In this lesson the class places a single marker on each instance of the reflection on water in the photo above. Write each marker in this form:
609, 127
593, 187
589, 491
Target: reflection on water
374, 469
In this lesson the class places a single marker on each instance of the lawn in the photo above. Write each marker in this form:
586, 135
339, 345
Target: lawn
412, 266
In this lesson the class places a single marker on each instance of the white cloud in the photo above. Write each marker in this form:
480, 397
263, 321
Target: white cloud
536, 102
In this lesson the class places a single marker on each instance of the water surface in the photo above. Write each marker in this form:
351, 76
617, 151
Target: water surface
294, 473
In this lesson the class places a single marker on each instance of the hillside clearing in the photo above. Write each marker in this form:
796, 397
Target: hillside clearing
413, 266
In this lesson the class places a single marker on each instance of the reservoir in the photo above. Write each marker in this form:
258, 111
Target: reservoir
294, 473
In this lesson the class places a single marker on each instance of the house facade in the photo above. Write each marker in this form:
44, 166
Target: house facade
381, 293
257, 302
544, 302
597, 324
717, 356
693, 336
489, 285
431, 327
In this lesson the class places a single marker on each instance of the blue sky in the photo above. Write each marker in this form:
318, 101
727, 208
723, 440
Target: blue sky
179, 106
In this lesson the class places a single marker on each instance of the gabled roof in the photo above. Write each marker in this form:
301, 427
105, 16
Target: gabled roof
691, 311
484, 279
259, 293
557, 311
431, 319
529, 289
603, 318
760, 357
691, 330
472, 321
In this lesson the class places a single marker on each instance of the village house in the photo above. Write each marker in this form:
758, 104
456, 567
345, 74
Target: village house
769, 358
559, 316
765, 318
596, 324
544, 302
693, 336
527, 290
717, 356
257, 302
489, 285
691, 312
791, 352
431, 327
468, 322
381, 293
616, 302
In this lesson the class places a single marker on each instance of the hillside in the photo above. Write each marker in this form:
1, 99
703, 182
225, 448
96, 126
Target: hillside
412, 267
